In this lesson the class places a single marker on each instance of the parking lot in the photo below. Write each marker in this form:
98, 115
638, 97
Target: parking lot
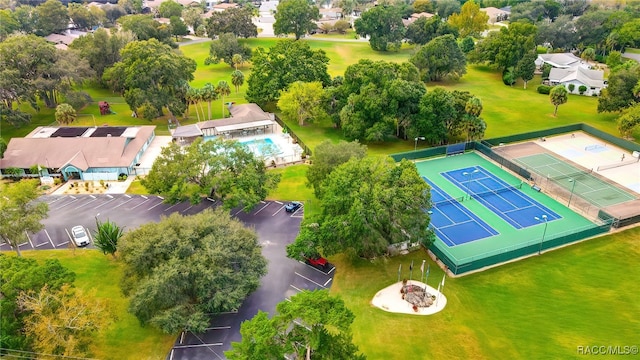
275, 228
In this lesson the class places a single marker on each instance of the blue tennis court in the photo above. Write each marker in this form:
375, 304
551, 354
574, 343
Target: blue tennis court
506, 201
453, 223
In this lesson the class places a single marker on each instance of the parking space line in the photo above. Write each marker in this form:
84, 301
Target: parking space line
103, 204
277, 202
183, 211
109, 196
92, 196
69, 235
237, 212
282, 207
182, 338
87, 203
144, 197
24, 243
69, 203
218, 328
171, 207
51, 241
306, 278
330, 271
127, 195
313, 267
295, 288
328, 281
159, 197
197, 345
117, 206
29, 238
158, 204
44, 243
147, 199
262, 208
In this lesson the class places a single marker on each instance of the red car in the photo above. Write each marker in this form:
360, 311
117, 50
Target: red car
318, 262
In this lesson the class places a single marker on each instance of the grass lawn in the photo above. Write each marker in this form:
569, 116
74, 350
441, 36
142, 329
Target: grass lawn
125, 338
538, 308
293, 186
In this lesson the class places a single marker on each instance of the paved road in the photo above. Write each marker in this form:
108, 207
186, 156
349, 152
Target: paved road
275, 228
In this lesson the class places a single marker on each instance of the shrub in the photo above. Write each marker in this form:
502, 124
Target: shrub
582, 89
544, 89
508, 77
341, 26
572, 87
546, 69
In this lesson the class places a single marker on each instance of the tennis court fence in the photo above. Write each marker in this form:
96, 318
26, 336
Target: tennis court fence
494, 257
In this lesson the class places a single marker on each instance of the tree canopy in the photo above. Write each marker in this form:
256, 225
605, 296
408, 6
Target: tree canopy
295, 17
226, 170
383, 24
51, 17
169, 8
620, 94
225, 47
302, 102
327, 156
426, 29
558, 96
19, 213
144, 27
311, 325
287, 61
23, 275
235, 21
503, 49
184, 268
470, 21
102, 48
367, 204
160, 85
440, 58
629, 121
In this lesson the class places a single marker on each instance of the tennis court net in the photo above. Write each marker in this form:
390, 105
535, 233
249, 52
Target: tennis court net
446, 202
497, 191
617, 164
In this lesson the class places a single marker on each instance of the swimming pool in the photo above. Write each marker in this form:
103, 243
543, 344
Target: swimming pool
263, 147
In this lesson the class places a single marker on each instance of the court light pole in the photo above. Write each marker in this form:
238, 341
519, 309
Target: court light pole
573, 185
415, 144
544, 232
470, 176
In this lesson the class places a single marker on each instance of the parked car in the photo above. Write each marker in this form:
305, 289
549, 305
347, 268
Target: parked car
317, 262
80, 237
293, 206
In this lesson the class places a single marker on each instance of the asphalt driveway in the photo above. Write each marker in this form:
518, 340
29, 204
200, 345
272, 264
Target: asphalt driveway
275, 228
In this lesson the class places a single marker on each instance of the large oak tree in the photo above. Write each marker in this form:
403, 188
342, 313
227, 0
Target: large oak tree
367, 205
226, 170
152, 76
183, 269
310, 325
295, 17
284, 63
19, 213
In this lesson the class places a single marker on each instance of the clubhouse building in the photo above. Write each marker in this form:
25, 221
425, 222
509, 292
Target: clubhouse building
86, 153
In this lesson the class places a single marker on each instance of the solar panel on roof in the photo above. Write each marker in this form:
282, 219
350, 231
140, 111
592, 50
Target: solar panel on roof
69, 132
109, 131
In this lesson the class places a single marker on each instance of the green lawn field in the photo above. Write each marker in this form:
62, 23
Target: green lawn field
124, 338
542, 307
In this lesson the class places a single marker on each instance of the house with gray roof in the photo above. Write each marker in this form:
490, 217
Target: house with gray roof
246, 119
559, 60
87, 153
593, 80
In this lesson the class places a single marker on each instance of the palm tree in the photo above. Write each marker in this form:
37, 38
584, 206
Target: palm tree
237, 59
223, 90
208, 93
237, 79
106, 237
65, 114
191, 97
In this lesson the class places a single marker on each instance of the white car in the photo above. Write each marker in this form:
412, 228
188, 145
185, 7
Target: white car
80, 236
